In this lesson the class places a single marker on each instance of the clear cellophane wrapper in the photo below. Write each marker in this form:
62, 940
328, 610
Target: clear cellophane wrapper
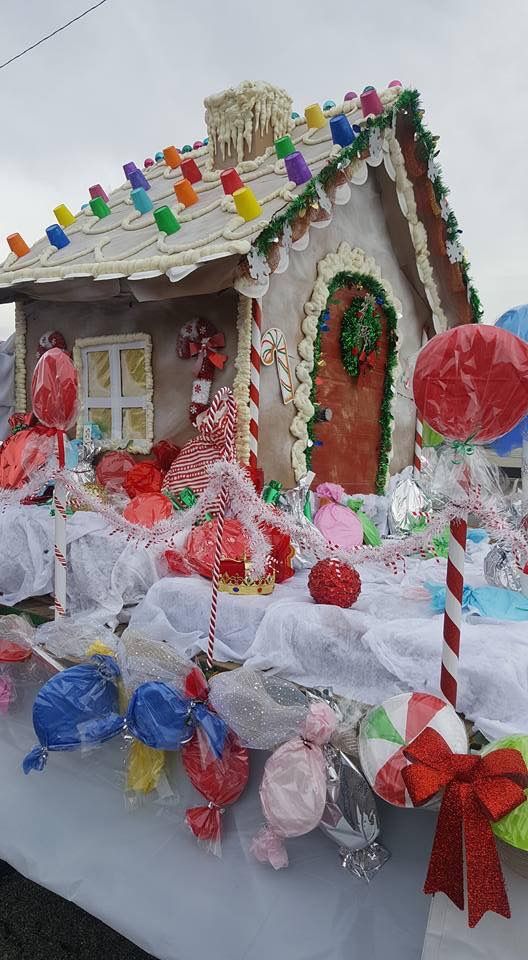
263, 711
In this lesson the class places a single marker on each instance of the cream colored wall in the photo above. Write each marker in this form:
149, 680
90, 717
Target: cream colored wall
361, 223
172, 377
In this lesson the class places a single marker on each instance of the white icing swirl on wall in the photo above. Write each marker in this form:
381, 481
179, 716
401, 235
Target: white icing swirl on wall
234, 116
20, 358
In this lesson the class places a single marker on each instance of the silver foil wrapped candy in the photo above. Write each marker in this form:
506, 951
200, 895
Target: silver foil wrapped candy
501, 568
409, 508
350, 816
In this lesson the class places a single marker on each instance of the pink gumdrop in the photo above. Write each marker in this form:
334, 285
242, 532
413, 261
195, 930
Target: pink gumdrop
149, 162
339, 525
197, 144
351, 95
395, 83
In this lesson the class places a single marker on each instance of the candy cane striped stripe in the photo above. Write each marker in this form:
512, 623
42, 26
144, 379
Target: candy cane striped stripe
254, 381
60, 508
230, 454
418, 445
453, 609
60, 556
59, 609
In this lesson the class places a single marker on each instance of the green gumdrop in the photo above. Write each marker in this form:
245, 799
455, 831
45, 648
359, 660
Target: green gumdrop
430, 437
513, 828
380, 727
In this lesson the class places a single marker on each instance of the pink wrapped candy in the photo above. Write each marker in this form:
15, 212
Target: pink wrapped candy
293, 788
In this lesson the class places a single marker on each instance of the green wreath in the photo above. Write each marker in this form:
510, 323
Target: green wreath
361, 333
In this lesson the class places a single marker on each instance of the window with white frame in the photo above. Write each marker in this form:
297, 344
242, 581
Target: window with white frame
115, 376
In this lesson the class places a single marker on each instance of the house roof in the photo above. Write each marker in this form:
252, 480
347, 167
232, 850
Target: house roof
127, 246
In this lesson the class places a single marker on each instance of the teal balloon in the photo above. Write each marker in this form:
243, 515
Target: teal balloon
516, 322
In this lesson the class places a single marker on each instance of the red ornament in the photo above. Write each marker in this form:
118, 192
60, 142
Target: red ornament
334, 582
476, 790
472, 382
144, 477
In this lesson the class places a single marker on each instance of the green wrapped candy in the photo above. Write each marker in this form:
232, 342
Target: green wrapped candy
272, 491
430, 437
371, 534
513, 828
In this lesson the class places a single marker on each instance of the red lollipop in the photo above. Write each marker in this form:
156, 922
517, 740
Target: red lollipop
472, 382
148, 509
220, 781
54, 390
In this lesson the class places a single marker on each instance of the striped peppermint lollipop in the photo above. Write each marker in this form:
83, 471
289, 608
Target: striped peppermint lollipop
388, 729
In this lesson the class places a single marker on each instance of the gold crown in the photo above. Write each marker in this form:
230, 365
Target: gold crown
235, 578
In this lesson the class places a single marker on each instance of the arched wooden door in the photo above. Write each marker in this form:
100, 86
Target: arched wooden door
347, 448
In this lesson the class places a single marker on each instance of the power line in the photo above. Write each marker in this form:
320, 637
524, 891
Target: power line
50, 35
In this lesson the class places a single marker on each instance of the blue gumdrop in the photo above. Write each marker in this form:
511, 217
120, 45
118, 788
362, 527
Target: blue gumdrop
187, 148
205, 141
366, 89
295, 116
328, 104
158, 156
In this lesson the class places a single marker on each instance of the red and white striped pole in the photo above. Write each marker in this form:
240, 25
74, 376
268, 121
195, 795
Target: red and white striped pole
418, 434
453, 609
230, 456
418, 444
254, 381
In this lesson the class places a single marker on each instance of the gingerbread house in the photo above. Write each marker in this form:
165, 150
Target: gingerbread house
299, 259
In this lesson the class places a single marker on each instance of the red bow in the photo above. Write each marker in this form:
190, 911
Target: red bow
477, 790
205, 349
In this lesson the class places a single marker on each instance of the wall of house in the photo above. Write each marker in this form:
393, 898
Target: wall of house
162, 320
361, 222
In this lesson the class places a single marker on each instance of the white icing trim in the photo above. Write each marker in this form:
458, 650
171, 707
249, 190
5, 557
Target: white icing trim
344, 260
20, 358
242, 377
134, 446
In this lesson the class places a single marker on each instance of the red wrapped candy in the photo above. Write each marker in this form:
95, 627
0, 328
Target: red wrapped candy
144, 477
335, 583
165, 453
220, 781
281, 554
201, 544
112, 469
23, 453
148, 509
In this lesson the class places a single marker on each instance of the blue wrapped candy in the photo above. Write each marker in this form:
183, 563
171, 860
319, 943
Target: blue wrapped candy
163, 718
77, 707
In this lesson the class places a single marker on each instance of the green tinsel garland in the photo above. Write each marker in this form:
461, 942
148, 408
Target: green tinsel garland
408, 102
376, 289
360, 335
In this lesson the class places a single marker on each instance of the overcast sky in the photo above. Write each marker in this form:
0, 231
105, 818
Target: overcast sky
130, 78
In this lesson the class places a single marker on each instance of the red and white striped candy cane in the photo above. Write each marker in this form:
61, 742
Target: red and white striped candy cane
224, 395
59, 506
275, 350
453, 609
254, 381
418, 444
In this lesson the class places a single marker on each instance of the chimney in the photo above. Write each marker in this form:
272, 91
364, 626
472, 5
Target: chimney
243, 122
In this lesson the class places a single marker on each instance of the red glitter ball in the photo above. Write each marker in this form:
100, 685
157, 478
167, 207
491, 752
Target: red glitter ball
334, 582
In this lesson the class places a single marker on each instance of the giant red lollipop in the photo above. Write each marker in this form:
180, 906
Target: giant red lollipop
54, 390
472, 381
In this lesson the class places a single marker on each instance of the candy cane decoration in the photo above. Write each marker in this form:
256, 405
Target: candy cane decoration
453, 609
254, 381
229, 455
275, 348
59, 506
418, 444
